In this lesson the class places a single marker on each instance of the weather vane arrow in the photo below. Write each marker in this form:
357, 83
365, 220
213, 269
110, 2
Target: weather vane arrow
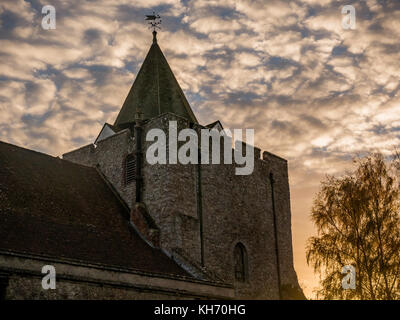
154, 21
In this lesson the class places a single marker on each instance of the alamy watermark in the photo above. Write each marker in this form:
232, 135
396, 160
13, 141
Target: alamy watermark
349, 20
49, 280
349, 280
49, 20
189, 152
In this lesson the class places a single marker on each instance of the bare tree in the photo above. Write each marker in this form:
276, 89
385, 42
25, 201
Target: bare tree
357, 217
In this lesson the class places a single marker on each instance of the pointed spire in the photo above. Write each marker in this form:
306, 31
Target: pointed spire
155, 91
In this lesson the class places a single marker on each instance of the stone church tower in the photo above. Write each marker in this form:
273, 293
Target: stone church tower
216, 225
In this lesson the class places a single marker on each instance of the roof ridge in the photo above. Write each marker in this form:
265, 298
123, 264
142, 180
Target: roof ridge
42, 154
26, 149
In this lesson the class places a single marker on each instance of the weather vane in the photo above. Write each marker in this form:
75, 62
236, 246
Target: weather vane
154, 21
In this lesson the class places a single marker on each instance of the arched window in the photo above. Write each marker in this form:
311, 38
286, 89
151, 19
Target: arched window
240, 261
130, 168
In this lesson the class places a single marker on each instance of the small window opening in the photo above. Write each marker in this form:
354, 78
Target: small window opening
130, 169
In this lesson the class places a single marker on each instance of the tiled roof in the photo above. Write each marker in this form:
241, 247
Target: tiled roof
53, 207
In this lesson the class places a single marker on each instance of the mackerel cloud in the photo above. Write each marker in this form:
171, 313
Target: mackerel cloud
315, 93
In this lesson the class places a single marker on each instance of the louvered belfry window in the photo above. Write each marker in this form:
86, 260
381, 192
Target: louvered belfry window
130, 168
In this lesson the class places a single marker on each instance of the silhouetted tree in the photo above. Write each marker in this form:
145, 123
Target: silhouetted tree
357, 218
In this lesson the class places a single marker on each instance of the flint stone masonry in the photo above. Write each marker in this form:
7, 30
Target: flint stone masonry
77, 280
228, 208
107, 155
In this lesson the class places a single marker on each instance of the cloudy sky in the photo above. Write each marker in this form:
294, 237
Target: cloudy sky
315, 93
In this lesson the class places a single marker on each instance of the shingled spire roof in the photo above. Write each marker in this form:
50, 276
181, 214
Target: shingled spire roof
155, 91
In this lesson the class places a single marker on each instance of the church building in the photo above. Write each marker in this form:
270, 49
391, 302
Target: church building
114, 226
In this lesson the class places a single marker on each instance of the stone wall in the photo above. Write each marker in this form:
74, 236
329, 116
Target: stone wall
109, 154
28, 287
238, 209
78, 280
170, 195
228, 208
